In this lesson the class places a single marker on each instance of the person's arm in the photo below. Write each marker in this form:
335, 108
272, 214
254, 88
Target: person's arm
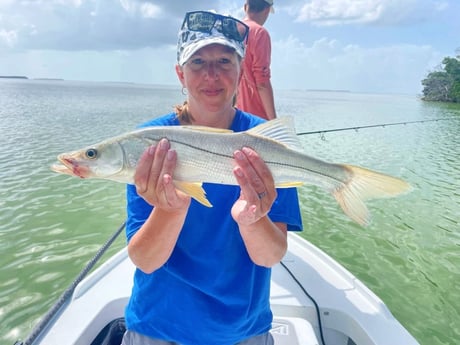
154, 242
151, 246
268, 101
261, 70
265, 241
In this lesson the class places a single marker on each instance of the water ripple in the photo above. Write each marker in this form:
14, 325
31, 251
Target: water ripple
51, 225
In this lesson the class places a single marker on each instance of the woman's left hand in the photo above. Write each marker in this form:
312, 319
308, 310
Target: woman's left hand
257, 187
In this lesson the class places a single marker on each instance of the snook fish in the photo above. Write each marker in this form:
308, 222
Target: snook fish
206, 155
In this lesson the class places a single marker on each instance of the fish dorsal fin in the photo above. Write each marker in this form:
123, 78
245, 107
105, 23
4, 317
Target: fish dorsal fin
281, 130
208, 129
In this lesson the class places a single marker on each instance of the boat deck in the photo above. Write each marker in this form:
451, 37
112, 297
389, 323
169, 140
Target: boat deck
350, 313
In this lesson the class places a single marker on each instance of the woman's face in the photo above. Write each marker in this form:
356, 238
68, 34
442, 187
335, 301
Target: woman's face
211, 76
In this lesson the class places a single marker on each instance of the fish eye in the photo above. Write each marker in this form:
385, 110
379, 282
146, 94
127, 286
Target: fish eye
91, 153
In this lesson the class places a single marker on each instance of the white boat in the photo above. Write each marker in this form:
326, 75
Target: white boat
315, 301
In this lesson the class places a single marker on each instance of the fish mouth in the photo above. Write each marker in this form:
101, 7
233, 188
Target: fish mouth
62, 169
70, 167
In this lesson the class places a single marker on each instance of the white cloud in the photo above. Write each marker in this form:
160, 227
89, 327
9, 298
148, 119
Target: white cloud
141, 8
387, 12
330, 12
377, 46
73, 3
330, 64
8, 38
92, 24
150, 10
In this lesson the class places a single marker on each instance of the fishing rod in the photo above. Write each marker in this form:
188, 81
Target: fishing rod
356, 128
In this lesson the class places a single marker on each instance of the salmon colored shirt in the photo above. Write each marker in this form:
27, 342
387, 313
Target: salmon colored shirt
256, 70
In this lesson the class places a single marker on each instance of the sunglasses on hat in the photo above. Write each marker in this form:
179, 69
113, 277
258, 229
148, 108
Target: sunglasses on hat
203, 21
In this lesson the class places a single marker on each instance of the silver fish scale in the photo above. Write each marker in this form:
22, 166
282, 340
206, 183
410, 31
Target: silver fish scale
208, 157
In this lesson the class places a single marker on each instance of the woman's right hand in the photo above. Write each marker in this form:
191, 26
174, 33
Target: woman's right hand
154, 178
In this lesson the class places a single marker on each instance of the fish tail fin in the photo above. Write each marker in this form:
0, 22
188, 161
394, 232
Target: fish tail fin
366, 184
195, 190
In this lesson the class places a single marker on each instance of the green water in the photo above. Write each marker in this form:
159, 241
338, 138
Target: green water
51, 225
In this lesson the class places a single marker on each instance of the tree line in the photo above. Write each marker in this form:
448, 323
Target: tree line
443, 85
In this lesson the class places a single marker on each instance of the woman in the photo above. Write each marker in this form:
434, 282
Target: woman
203, 274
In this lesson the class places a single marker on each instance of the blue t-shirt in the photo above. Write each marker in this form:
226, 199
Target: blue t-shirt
209, 291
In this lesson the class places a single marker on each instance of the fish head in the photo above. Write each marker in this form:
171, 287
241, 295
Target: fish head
98, 161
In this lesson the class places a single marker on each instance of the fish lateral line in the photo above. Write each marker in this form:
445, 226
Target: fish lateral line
350, 185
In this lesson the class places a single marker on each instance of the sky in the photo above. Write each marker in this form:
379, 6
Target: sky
375, 46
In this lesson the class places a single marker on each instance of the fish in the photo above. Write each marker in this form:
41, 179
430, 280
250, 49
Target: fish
205, 155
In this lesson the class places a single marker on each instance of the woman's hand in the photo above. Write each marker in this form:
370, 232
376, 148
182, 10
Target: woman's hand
257, 187
154, 178
153, 243
265, 241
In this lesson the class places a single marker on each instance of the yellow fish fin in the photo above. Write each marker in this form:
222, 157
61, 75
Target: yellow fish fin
281, 130
289, 184
208, 129
366, 184
195, 190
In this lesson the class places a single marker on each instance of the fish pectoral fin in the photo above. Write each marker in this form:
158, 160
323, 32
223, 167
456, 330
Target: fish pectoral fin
289, 184
195, 190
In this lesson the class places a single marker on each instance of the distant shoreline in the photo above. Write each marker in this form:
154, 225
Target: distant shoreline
135, 83
27, 78
327, 90
58, 79
13, 77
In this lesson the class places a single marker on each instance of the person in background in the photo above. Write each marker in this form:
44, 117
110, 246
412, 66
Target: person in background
255, 92
203, 274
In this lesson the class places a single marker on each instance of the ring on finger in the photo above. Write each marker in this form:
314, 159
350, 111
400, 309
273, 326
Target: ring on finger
261, 195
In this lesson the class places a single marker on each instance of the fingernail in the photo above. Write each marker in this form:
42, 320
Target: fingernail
246, 150
152, 150
140, 189
163, 143
239, 172
170, 155
239, 155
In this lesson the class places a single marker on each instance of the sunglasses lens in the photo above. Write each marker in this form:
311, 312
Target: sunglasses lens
206, 21
201, 21
234, 29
